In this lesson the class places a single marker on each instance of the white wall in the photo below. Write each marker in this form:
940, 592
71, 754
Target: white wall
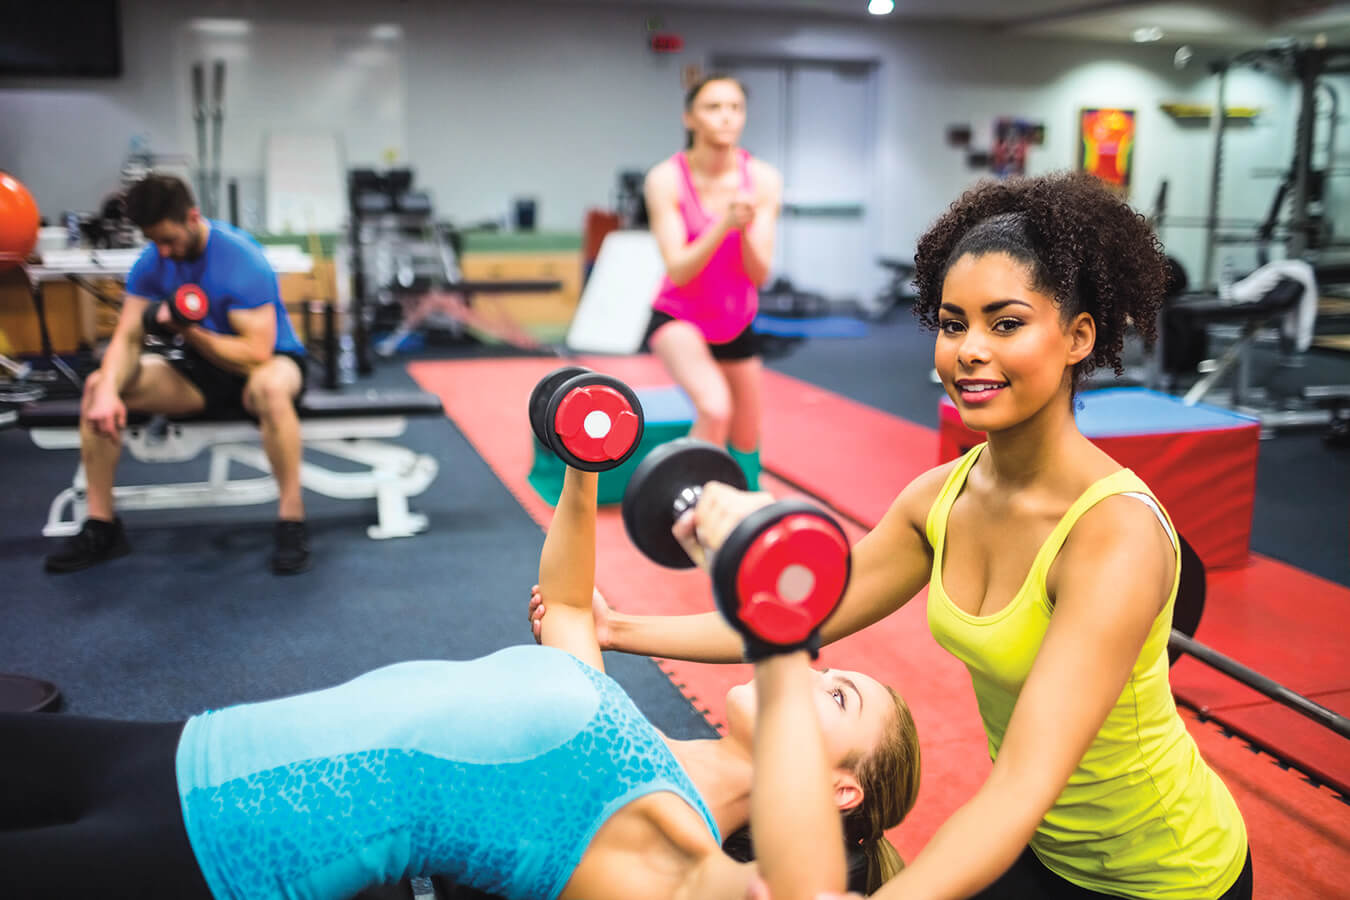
496, 100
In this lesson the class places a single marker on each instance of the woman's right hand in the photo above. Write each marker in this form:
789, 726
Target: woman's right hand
599, 609
740, 212
720, 508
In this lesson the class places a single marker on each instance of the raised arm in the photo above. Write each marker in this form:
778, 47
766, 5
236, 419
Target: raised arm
683, 260
1109, 585
757, 238
252, 344
799, 840
567, 570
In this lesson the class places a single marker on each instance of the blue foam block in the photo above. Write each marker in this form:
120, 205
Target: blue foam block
1115, 412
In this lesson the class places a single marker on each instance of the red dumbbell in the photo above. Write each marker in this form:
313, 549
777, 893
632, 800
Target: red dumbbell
591, 421
190, 305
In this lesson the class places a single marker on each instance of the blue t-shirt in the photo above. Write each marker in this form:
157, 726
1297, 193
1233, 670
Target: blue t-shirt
495, 773
232, 271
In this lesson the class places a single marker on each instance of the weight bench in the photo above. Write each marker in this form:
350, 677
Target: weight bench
352, 427
1314, 404
1251, 317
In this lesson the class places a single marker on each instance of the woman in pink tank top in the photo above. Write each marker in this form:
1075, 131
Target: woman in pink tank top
713, 209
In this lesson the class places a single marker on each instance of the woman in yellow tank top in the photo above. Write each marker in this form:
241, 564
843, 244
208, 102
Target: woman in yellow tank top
1051, 570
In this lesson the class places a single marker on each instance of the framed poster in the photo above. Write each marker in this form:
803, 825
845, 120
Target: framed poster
1012, 138
1106, 145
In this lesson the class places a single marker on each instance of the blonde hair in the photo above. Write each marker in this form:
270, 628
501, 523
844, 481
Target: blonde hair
889, 777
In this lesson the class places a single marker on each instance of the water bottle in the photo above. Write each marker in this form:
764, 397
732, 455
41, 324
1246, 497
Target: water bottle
1226, 279
72, 230
346, 359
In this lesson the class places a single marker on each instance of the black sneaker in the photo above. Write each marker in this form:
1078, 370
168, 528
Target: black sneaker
291, 555
98, 541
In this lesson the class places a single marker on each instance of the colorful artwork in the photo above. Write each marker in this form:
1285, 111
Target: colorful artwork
1107, 145
1012, 137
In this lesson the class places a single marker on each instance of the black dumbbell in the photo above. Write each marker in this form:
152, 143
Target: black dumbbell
593, 422
781, 571
188, 307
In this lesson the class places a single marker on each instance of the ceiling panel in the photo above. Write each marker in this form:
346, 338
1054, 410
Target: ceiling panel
1222, 22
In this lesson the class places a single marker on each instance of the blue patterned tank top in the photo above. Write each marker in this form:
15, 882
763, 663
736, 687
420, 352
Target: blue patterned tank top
495, 773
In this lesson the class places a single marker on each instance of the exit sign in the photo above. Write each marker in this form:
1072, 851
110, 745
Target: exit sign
666, 42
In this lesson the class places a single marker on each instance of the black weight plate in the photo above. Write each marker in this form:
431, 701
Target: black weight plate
649, 499
543, 392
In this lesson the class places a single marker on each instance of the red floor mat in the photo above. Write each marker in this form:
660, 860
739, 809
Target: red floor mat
1299, 833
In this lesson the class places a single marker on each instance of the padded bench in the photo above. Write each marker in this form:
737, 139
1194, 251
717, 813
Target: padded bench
353, 426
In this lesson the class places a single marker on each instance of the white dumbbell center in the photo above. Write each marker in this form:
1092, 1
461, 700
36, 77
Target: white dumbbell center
795, 583
597, 424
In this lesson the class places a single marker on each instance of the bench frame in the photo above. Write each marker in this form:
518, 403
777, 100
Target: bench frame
391, 473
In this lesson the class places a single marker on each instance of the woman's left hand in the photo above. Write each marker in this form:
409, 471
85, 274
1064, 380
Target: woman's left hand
720, 509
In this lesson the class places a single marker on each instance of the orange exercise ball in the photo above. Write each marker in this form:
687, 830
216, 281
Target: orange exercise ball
18, 221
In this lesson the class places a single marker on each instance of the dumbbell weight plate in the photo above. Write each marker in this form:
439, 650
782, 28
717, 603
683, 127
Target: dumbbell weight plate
649, 499
781, 572
190, 303
593, 422
541, 395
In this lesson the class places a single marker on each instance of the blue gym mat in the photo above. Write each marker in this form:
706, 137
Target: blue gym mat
824, 327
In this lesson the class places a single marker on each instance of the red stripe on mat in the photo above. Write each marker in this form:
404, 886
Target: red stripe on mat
1298, 833
857, 458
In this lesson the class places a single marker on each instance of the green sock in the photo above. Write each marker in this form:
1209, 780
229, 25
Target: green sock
748, 460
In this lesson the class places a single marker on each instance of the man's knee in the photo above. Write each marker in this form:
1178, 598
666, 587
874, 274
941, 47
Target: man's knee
270, 392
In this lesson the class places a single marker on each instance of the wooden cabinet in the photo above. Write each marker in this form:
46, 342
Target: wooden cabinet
546, 311
74, 317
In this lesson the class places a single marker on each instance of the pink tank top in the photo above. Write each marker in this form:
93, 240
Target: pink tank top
720, 300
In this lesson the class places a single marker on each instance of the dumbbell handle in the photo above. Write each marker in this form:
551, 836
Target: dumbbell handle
687, 500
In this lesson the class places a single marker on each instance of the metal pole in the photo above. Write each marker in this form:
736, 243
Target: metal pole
1261, 684
199, 119
330, 347
1216, 127
1307, 64
217, 122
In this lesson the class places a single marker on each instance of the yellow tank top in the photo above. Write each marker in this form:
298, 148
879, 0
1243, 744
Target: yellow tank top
1142, 815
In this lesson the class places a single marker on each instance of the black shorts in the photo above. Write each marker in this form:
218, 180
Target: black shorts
98, 800
1029, 877
743, 346
222, 390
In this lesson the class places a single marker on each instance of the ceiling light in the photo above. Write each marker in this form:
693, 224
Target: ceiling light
881, 7
1145, 35
221, 27
386, 32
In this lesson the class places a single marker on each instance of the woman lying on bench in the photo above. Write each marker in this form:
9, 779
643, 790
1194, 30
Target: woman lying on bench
527, 773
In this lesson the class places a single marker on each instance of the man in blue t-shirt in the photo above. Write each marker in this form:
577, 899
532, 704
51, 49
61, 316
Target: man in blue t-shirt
243, 353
